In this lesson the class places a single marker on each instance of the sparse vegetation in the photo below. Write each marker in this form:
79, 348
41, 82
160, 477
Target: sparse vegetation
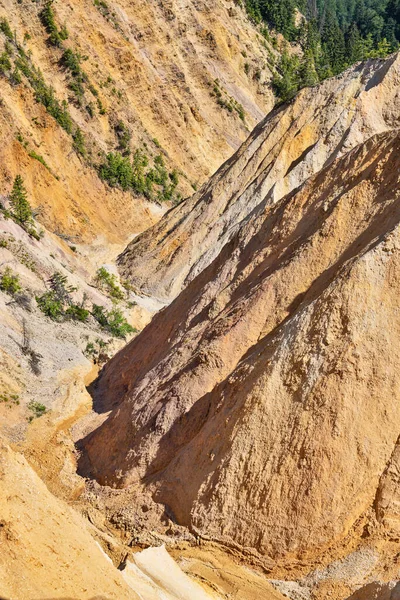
44, 93
38, 157
57, 303
226, 101
124, 137
32, 153
5, 28
107, 13
9, 399
112, 321
60, 287
72, 61
15, 77
117, 171
97, 351
50, 306
77, 313
155, 183
33, 356
48, 19
5, 63
9, 282
79, 142
37, 409
108, 281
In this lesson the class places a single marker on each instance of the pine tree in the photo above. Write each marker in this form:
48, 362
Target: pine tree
393, 13
334, 44
21, 210
79, 142
389, 33
61, 289
354, 44
286, 81
307, 72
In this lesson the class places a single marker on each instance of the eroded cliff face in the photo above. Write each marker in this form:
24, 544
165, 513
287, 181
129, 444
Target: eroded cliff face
151, 66
291, 144
262, 405
260, 408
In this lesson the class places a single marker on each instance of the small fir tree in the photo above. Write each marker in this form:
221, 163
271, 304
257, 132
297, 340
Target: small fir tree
20, 207
307, 71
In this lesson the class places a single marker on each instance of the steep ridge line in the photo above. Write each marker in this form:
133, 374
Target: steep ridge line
326, 121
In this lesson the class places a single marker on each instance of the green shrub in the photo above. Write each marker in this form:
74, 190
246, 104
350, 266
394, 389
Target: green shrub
90, 349
124, 137
5, 63
9, 399
93, 90
102, 6
287, 81
48, 19
5, 28
78, 313
15, 77
79, 142
101, 107
117, 170
226, 101
50, 305
72, 61
9, 282
57, 302
77, 88
96, 351
9, 48
61, 288
37, 235
113, 321
64, 35
109, 281
44, 93
90, 109
37, 409
36, 156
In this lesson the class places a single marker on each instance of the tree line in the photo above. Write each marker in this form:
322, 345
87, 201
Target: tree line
333, 34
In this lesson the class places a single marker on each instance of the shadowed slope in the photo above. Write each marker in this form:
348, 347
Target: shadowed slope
262, 405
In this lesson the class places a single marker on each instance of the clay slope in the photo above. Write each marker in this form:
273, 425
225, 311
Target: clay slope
49, 551
262, 406
46, 548
150, 65
291, 144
